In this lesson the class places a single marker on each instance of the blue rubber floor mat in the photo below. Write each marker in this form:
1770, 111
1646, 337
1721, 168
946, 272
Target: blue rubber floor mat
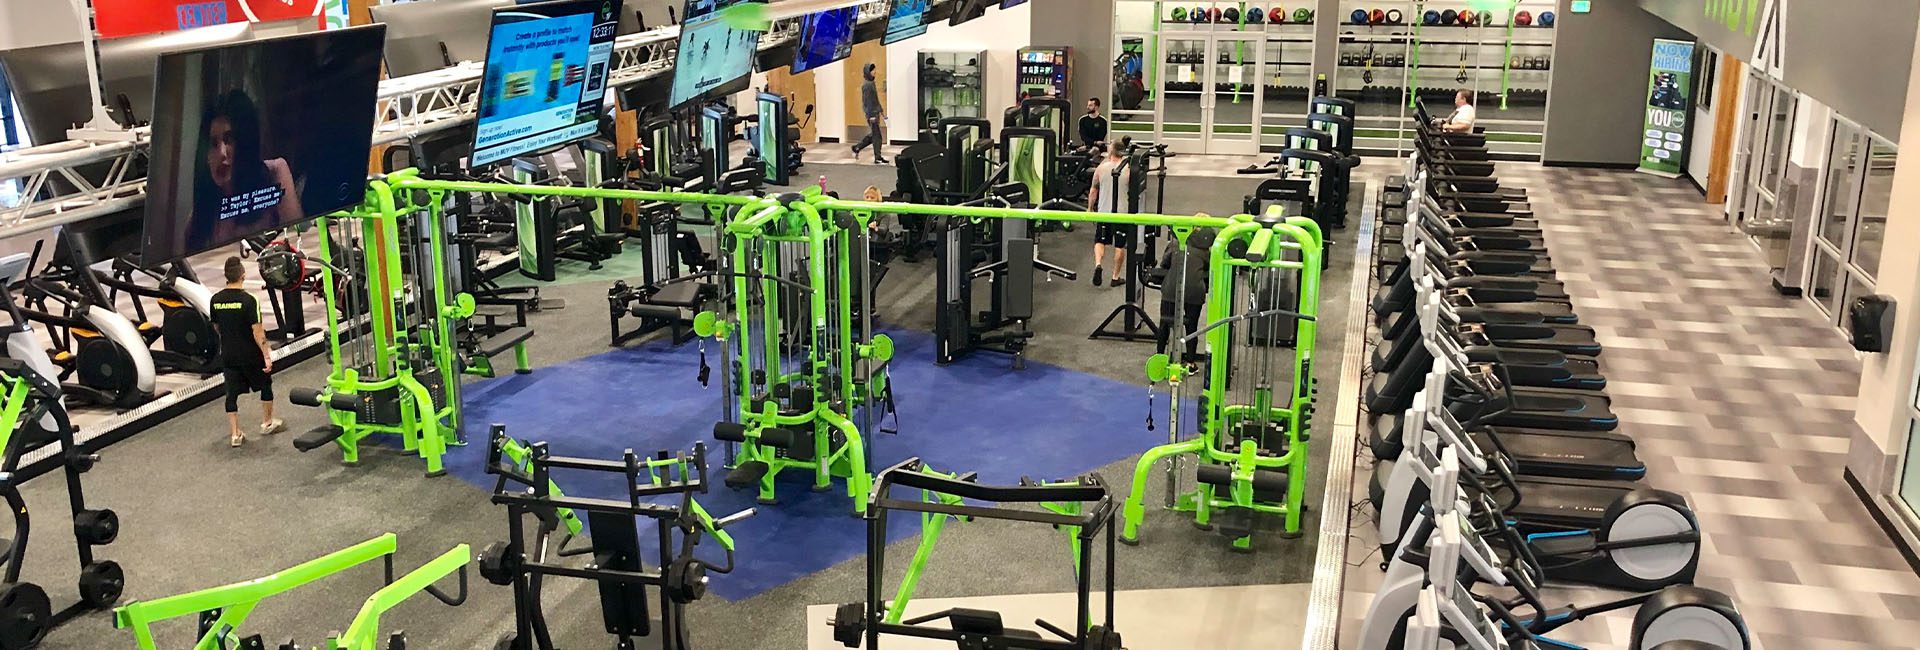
975, 415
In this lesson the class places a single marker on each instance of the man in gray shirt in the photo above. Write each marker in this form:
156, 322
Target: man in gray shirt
876, 116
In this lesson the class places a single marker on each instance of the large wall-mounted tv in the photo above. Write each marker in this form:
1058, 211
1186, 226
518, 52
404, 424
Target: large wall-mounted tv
825, 37
545, 81
258, 135
907, 19
712, 54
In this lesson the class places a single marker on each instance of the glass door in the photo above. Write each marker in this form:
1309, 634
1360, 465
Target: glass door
1183, 73
1853, 214
1769, 128
1234, 97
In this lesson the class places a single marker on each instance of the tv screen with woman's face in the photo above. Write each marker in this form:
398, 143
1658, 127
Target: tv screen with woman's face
257, 136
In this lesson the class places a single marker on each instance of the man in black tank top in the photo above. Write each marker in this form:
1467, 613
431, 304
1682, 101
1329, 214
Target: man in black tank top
244, 357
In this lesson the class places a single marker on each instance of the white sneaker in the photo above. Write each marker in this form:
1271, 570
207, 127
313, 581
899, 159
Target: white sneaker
273, 427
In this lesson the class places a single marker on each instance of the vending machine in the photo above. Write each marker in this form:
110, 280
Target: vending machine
1044, 71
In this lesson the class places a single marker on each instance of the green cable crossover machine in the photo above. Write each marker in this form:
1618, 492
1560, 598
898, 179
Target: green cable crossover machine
401, 377
1250, 449
222, 610
806, 374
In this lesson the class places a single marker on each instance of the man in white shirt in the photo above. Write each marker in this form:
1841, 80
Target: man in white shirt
1461, 121
1109, 194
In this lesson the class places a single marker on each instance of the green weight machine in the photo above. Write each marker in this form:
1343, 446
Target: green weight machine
396, 368
223, 610
802, 355
1250, 449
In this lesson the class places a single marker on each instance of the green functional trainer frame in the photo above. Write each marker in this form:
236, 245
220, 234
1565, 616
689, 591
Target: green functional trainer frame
224, 609
402, 377
1250, 450
804, 369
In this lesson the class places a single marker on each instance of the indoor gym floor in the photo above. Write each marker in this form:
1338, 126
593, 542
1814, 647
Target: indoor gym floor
1739, 399
196, 514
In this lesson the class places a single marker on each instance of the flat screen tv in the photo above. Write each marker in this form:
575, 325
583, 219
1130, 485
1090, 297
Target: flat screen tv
258, 135
825, 37
907, 19
712, 54
545, 82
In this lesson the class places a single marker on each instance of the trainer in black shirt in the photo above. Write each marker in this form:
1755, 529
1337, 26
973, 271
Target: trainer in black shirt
244, 358
1093, 125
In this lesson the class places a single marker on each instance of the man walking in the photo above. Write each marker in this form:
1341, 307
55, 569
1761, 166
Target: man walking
876, 116
244, 359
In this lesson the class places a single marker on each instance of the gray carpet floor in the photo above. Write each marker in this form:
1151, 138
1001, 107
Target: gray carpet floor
196, 514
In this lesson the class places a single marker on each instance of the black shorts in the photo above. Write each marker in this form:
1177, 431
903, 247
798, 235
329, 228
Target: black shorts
1113, 234
241, 381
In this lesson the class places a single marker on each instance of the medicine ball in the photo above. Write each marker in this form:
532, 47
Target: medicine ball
1449, 17
1214, 14
1430, 18
1179, 14
1359, 17
1546, 19
1256, 16
1394, 16
1377, 17
1523, 18
1467, 18
1486, 18
1230, 15
1198, 15
1303, 16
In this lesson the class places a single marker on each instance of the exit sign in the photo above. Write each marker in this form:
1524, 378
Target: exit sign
1582, 6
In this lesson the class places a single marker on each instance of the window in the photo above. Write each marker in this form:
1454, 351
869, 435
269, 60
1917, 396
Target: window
1703, 92
1855, 190
1910, 473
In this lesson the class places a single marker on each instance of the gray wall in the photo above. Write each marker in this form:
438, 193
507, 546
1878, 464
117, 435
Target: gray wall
1851, 55
31, 23
1854, 56
1087, 27
1595, 106
1691, 15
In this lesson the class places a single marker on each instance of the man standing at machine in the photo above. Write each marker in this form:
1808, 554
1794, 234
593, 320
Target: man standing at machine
1111, 180
244, 358
876, 115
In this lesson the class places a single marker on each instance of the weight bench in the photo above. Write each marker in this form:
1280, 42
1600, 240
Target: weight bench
480, 361
670, 306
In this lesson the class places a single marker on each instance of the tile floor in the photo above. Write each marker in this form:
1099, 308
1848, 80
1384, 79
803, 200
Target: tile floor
1739, 398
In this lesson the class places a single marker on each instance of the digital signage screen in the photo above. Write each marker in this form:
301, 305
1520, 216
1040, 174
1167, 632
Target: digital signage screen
712, 54
545, 79
258, 135
906, 20
825, 37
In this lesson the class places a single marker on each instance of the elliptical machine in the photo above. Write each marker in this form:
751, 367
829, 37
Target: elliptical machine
97, 348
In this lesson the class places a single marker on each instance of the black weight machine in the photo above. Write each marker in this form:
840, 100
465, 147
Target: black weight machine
1003, 250
1082, 507
1144, 159
676, 280
618, 566
41, 420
